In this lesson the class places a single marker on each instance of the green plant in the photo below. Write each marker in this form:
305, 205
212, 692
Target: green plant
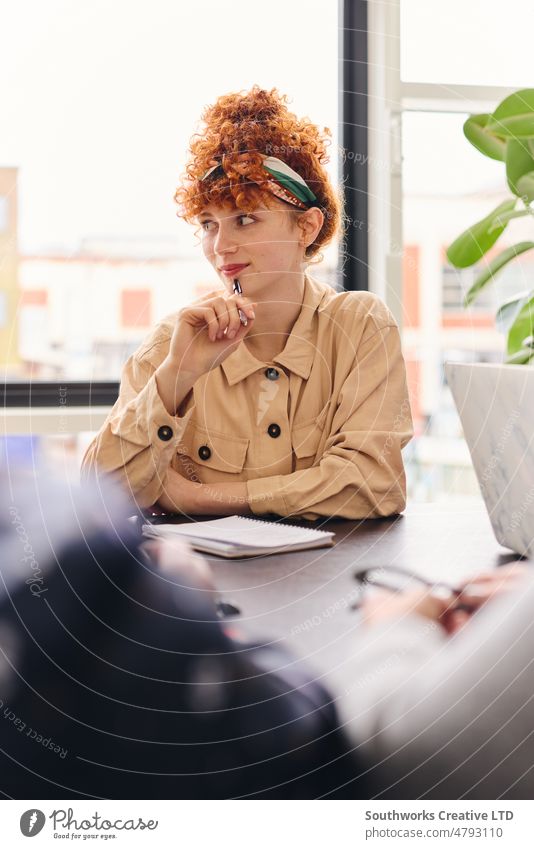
507, 134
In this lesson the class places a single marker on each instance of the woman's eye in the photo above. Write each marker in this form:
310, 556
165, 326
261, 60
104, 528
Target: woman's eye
208, 226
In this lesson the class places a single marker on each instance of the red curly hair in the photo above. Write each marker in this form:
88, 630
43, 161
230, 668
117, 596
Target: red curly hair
253, 123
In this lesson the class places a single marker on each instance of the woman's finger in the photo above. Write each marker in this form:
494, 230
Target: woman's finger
234, 319
454, 620
221, 311
502, 573
227, 310
220, 316
198, 315
386, 605
478, 593
210, 318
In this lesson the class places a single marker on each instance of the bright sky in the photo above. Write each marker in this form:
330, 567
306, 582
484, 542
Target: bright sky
98, 99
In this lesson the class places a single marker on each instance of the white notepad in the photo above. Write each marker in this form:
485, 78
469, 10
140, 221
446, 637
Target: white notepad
241, 536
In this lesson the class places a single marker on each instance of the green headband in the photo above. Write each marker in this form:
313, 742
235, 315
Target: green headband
281, 181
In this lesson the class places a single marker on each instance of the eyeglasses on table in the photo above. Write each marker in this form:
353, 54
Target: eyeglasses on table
397, 579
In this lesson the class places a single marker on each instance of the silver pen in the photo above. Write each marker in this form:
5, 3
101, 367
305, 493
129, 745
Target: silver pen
239, 291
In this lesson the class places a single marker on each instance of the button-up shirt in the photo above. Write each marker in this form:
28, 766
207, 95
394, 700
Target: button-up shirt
316, 432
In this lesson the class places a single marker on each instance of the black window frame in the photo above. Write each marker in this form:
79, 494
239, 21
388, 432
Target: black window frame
353, 84
58, 393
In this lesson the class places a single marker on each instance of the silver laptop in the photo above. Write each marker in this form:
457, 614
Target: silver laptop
496, 407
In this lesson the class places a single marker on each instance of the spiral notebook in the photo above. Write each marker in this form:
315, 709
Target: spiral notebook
241, 536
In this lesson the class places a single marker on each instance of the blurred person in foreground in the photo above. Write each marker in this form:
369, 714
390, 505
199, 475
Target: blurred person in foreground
442, 702
118, 679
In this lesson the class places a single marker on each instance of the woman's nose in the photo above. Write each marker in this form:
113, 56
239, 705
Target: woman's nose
224, 242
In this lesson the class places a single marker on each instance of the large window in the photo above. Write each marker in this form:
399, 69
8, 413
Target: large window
102, 101
467, 43
436, 63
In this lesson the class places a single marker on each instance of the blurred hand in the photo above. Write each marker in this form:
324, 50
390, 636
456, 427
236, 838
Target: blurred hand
179, 562
483, 586
451, 612
390, 605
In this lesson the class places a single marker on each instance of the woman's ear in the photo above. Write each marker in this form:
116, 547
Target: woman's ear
310, 223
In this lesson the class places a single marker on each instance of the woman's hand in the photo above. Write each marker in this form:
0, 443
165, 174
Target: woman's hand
386, 605
450, 613
176, 558
208, 330
180, 494
483, 586
205, 334
184, 568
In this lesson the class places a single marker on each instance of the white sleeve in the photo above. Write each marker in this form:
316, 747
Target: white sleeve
447, 717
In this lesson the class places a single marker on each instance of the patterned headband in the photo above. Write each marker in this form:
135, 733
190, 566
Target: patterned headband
281, 180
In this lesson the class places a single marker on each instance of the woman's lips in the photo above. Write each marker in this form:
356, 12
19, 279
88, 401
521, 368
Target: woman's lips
233, 269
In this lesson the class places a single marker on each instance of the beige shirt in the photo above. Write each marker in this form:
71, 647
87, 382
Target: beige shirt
317, 431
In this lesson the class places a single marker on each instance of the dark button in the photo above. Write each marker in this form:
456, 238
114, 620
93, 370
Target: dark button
272, 374
204, 452
273, 430
165, 433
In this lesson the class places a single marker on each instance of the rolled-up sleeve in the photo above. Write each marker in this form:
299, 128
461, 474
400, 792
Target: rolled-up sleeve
138, 439
361, 472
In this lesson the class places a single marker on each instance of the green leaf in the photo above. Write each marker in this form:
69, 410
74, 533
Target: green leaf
494, 266
487, 143
522, 328
525, 186
514, 116
508, 216
518, 103
519, 161
471, 245
518, 126
521, 358
508, 312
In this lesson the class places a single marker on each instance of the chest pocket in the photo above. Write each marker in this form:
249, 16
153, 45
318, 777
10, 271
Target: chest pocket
306, 437
214, 450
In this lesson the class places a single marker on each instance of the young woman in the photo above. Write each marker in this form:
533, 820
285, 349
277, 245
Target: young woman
302, 410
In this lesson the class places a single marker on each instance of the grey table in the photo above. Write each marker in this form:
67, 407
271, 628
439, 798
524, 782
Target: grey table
303, 598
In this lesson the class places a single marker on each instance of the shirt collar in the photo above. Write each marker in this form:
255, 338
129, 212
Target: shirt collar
299, 350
